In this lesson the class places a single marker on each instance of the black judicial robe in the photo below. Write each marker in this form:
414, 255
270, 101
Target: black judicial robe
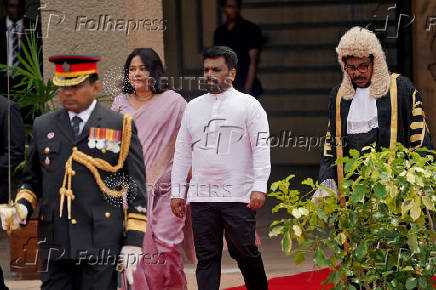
401, 119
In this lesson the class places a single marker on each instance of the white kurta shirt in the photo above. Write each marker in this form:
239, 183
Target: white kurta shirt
225, 139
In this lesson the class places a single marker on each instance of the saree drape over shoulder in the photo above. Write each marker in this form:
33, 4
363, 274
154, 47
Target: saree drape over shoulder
157, 124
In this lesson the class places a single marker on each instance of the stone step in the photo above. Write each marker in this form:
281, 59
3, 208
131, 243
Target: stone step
297, 140
303, 35
303, 103
301, 151
288, 57
300, 3
301, 126
301, 80
316, 14
312, 55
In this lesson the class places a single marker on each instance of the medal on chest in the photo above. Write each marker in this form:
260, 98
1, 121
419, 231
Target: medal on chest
104, 139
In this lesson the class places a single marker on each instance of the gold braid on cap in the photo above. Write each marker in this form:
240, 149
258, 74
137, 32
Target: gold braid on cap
93, 164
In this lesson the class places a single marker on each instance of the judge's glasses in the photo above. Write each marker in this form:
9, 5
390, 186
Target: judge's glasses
362, 68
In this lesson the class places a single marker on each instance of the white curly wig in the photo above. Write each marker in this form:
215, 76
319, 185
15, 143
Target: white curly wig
360, 42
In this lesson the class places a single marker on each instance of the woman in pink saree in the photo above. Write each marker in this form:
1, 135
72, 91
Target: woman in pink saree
157, 113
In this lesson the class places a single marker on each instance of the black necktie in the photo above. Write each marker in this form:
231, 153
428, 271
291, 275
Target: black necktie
76, 126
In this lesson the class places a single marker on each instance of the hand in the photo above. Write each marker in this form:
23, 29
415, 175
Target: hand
130, 256
178, 206
321, 193
257, 199
11, 218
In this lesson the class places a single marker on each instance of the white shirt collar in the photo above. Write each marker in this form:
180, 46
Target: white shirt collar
9, 23
224, 94
84, 115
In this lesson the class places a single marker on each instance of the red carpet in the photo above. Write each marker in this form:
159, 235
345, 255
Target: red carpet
307, 281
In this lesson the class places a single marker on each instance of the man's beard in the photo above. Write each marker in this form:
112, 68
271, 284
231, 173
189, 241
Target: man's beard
216, 87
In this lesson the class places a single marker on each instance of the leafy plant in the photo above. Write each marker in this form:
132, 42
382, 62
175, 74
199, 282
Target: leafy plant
31, 91
379, 232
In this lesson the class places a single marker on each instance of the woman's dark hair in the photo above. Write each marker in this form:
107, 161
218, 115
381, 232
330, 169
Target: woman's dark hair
219, 51
153, 64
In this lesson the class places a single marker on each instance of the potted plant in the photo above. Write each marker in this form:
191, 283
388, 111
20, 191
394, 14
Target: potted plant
32, 91
378, 232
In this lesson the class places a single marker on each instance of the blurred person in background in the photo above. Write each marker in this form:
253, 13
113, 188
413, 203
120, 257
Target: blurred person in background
244, 38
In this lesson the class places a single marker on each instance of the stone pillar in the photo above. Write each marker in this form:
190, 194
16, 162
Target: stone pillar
110, 29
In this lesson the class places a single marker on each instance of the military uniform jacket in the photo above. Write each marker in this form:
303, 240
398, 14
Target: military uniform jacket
400, 119
95, 224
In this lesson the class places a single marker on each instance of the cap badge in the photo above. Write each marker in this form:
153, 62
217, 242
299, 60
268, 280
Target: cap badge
66, 67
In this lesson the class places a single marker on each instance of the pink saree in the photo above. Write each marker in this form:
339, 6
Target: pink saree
157, 124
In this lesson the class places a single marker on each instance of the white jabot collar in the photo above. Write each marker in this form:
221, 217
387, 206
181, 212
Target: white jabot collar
362, 116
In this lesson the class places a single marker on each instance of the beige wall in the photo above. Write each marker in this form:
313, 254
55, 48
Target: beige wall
424, 54
83, 31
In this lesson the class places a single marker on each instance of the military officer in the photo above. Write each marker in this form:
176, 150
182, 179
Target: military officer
85, 169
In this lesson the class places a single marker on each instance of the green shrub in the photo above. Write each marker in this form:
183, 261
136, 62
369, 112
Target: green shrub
379, 232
